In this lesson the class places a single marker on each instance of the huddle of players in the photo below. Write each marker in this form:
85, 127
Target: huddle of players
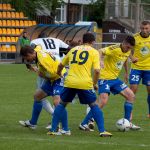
81, 59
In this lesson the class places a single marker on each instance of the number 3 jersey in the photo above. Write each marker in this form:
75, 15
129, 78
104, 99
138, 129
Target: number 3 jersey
81, 60
142, 52
113, 61
51, 45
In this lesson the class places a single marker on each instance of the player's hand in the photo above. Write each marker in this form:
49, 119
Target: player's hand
34, 69
59, 73
95, 87
41, 74
134, 60
126, 78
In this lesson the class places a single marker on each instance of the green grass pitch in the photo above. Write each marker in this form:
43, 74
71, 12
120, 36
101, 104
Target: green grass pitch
17, 87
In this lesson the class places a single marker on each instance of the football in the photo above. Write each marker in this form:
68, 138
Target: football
123, 124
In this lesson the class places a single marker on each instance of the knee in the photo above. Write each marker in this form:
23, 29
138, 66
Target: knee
37, 96
131, 97
103, 101
56, 100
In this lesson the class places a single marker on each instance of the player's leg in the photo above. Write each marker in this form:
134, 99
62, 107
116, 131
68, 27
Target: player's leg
89, 97
148, 100
128, 106
119, 87
60, 112
57, 89
134, 80
146, 82
45, 103
46, 89
103, 98
37, 106
103, 90
134, 88
36, 110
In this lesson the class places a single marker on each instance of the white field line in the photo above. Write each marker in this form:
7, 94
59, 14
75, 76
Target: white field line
72, 142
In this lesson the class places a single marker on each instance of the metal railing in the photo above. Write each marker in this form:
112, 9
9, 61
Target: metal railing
126, 11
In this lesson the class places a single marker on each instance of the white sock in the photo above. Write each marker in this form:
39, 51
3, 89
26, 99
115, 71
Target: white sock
47, 106
88, 109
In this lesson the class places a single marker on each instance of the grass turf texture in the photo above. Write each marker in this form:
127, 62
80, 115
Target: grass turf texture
17, 87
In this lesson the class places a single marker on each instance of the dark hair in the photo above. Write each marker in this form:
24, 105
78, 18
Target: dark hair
145, 22
25, 50
73, 44
130, 39
88, 38
42, 35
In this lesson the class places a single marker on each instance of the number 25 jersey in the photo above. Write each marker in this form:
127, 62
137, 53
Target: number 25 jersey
81, 60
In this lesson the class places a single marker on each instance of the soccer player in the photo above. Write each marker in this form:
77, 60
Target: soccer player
81, 60
55, 47
114, 57
47, 68
140, 68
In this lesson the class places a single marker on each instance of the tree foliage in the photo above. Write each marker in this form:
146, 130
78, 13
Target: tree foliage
30, 7
97, 11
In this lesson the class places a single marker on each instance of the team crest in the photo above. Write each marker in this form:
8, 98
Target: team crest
145, 50
119, 65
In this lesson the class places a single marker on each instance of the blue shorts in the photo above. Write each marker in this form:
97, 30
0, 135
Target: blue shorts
52, 88
136, 76
85, 96
114, 86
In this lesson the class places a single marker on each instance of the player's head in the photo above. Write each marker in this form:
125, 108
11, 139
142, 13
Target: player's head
145, 28
28, 53
88, 38
128, 44
42, 35
24, 34
73, 44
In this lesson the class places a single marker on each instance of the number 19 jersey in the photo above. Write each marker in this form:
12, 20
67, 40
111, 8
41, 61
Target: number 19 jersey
81, 60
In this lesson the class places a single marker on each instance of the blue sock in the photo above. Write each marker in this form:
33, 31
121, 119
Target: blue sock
64, 120
57, 116
87, 118
148, 101
98, 117
127, 110
36, 110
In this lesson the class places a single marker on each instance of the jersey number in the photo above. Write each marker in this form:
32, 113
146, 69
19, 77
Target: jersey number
83, 56
49, 43
135, 78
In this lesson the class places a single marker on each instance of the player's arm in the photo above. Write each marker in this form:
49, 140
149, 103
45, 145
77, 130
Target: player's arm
96, 66
60, 68
126, 71
64, 51
64, 62
101, 55
32, 68
95, 78
132, 58
63, 47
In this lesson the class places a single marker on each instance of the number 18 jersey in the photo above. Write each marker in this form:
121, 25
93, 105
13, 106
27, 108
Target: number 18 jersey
51, 45
81, 60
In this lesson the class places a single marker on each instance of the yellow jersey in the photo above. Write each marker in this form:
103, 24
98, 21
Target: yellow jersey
113, 61
81, 60
142, 52
47, 64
